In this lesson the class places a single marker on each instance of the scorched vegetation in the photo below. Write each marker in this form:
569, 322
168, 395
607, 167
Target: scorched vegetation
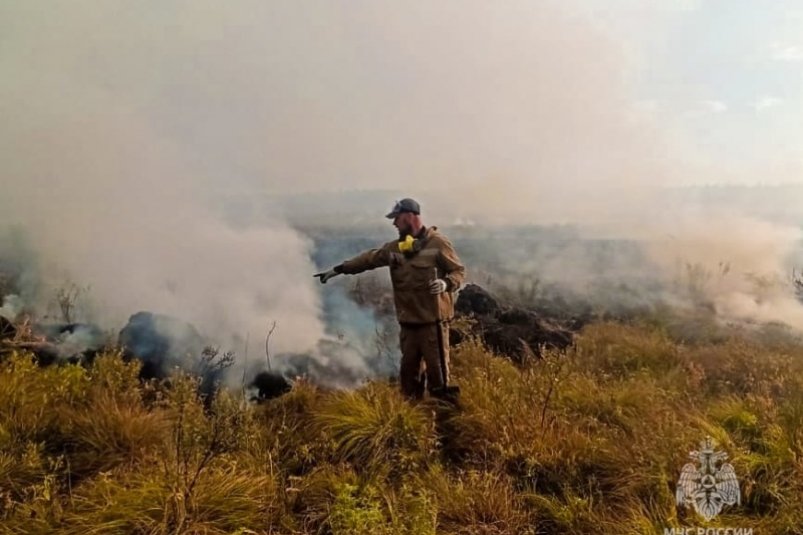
590, 439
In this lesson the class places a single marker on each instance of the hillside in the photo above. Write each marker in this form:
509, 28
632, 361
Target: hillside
588, 440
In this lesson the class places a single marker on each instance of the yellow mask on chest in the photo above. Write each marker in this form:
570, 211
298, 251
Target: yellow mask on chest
407, 245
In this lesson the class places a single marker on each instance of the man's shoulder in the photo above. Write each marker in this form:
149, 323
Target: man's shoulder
435, 236
392, 245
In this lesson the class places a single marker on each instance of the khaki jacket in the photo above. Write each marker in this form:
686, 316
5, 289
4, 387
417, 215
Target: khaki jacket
412, 274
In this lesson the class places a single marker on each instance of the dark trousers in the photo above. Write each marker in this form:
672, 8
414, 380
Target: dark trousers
425, 358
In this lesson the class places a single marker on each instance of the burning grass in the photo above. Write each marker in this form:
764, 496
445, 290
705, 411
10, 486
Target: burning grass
586, 440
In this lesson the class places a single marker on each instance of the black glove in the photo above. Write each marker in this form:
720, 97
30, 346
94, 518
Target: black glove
324, 276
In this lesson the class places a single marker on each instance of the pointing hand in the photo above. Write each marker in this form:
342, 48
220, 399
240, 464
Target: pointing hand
326, 275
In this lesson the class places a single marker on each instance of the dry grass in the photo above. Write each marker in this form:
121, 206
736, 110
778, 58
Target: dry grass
377, 431
584, 441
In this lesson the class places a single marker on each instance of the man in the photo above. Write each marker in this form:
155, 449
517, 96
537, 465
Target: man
425, 272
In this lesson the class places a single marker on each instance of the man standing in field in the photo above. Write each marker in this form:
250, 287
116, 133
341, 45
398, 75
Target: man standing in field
425, 272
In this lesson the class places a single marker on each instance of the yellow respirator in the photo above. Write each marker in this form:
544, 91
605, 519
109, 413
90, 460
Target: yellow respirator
407, 245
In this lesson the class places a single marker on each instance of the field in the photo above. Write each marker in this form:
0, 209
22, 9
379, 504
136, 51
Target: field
183, 352
589, 440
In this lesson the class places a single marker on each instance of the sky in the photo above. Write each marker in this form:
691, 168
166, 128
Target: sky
724, 78
124, 125
548, 99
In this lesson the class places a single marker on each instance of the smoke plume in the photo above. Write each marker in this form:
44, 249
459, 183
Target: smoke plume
148, 149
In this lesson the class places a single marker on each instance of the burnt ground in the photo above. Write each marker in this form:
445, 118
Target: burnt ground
512, 331
516, 332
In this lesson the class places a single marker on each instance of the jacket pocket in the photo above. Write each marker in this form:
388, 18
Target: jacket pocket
422, 272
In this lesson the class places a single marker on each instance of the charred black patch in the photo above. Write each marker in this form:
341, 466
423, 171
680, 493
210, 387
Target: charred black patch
270, 385
511, 331
162, 343
474, 299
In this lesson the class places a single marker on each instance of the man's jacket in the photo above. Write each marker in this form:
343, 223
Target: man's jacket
411, 274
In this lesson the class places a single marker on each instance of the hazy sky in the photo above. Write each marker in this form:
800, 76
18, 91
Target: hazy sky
724, 78
548, 98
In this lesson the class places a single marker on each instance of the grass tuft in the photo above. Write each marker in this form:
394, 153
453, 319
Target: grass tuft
377, 431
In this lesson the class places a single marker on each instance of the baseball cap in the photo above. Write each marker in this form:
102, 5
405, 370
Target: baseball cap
404, 205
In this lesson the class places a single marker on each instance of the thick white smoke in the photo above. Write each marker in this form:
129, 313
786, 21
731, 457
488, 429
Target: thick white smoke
742, 264
127, 126
110, 203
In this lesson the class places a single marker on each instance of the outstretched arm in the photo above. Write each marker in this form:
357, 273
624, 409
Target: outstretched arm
370, 259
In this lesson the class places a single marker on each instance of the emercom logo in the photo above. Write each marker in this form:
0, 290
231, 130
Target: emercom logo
710, 486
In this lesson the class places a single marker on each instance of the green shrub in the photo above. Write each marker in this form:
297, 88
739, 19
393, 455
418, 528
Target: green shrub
357, 511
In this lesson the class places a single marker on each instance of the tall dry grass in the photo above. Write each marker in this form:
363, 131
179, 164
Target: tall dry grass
588, 440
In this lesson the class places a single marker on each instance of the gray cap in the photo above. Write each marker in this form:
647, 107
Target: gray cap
404, 205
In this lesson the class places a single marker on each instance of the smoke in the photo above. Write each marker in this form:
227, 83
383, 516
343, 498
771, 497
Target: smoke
105, 197
147, 149
741, 264
72, 340
509, 112
13, 305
